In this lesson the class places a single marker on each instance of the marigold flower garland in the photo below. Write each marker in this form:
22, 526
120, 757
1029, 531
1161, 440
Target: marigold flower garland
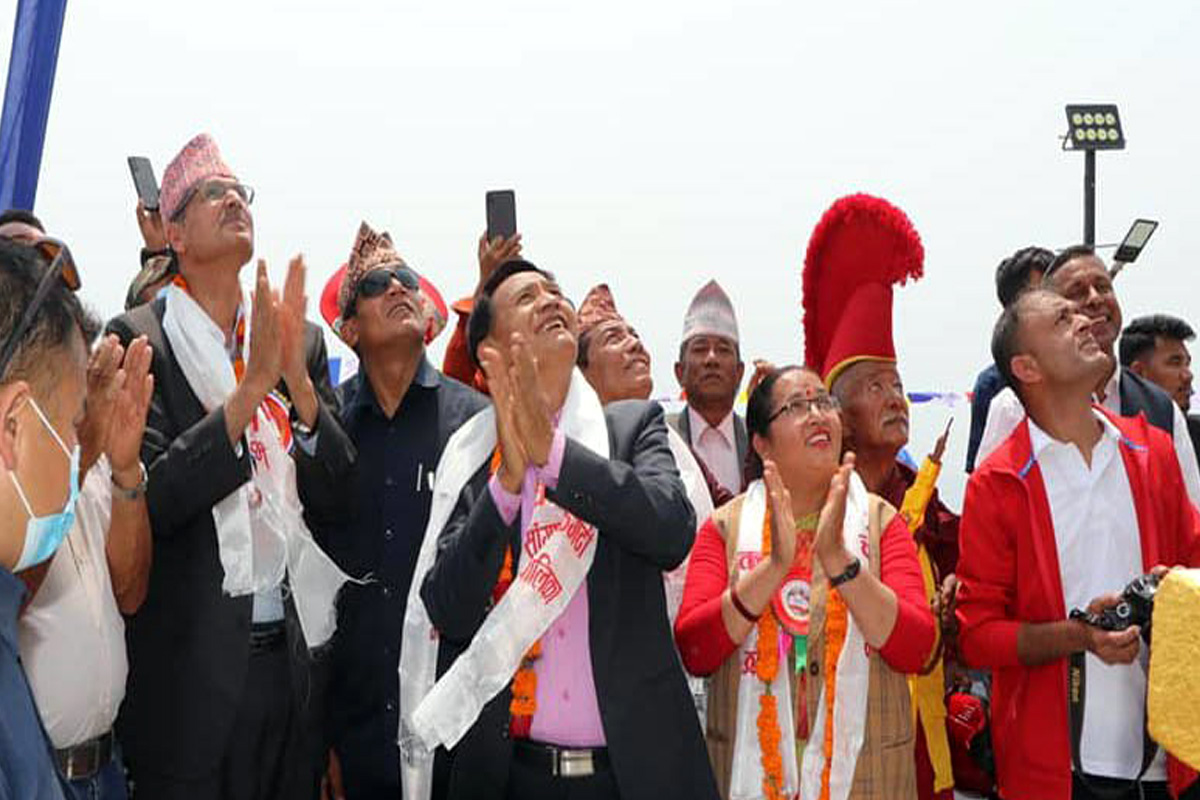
767, 667
524, 683
835, 640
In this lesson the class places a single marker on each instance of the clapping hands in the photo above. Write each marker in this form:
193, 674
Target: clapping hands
524, 427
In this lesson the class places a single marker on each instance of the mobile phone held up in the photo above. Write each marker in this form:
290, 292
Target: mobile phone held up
144, 181
501, 214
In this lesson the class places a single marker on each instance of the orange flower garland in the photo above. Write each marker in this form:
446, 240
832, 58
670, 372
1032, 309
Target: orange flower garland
524, 683
835, 640
767, 667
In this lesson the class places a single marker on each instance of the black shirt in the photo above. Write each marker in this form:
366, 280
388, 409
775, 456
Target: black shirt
378, 536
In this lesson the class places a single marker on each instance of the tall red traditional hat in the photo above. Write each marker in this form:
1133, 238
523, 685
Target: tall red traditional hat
862, 246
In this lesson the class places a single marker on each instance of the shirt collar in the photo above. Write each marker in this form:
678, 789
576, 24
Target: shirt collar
698, 424
1112, 392
12, 592
362, 396
1039, 440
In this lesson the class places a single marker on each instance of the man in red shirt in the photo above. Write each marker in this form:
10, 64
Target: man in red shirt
1074, 504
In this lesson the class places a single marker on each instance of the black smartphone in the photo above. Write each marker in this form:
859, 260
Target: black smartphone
144, 181
501, 214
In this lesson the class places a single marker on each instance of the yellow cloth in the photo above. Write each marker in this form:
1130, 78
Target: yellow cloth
928, 690
1174, 693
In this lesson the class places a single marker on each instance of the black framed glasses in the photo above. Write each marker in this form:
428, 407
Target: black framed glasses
801, 407
61, 267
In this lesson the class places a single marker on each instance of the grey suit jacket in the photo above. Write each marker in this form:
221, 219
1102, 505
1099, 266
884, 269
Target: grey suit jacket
741, 438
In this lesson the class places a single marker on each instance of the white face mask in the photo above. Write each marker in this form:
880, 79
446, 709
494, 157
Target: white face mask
43, 535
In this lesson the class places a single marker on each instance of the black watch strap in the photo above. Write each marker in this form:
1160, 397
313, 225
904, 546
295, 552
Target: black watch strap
850, 574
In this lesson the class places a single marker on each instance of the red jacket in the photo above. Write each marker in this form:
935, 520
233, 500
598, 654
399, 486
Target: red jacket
1008, 574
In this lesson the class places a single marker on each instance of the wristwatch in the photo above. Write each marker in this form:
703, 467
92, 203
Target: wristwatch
850, 574
137, 492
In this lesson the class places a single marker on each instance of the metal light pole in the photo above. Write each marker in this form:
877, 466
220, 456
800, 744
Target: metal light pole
1089, 197
1091, 128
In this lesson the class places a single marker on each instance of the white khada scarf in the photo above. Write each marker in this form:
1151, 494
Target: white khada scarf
552, 566
260, 526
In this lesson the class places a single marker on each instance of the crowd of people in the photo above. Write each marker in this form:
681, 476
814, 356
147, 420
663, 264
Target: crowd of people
517, 576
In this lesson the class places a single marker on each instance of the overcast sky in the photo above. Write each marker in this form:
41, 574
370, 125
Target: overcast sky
652, 145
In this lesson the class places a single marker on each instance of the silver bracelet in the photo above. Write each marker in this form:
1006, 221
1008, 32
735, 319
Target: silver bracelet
137, 492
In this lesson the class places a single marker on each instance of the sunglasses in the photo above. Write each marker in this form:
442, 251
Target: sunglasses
377, 281
61, 268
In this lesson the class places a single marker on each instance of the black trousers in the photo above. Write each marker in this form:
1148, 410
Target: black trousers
528, 783
264, 750
1110, 789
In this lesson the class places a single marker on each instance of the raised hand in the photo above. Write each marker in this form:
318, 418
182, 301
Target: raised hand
264, 366
102, 382
762, 368
495, 252
151, 225
513, 460
292, 316
531, 410
829, 543
783, 524
131, 402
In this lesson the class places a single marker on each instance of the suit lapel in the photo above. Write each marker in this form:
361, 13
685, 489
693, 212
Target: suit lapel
741, 444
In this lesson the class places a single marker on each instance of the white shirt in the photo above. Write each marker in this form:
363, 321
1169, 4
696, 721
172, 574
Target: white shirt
1099, 552
72, 637
717, 448
1006, 412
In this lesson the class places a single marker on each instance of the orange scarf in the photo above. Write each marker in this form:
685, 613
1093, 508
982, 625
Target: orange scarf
767, 668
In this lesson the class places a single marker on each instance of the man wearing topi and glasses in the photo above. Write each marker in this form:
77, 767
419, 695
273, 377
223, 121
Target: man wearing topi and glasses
241, 441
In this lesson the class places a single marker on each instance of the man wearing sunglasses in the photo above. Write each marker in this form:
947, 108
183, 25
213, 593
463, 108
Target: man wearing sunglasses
399, 411
242, 439
43, 360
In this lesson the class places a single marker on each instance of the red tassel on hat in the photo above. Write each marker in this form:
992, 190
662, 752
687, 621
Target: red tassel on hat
861, 247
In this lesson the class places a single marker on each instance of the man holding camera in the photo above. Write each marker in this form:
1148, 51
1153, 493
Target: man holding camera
1076, 503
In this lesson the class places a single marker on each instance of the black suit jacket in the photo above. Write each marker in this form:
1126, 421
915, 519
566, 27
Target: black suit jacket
646, 525
189, 643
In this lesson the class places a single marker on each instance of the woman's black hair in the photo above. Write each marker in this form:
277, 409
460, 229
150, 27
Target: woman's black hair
758, 415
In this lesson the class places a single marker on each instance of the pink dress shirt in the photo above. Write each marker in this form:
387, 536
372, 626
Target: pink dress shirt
567, 713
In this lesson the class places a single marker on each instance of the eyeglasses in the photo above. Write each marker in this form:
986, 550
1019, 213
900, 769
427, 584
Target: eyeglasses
213, 191
801, 407
61, 267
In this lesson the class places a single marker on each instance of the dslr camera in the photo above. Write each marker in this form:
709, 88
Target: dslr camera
1136, 608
